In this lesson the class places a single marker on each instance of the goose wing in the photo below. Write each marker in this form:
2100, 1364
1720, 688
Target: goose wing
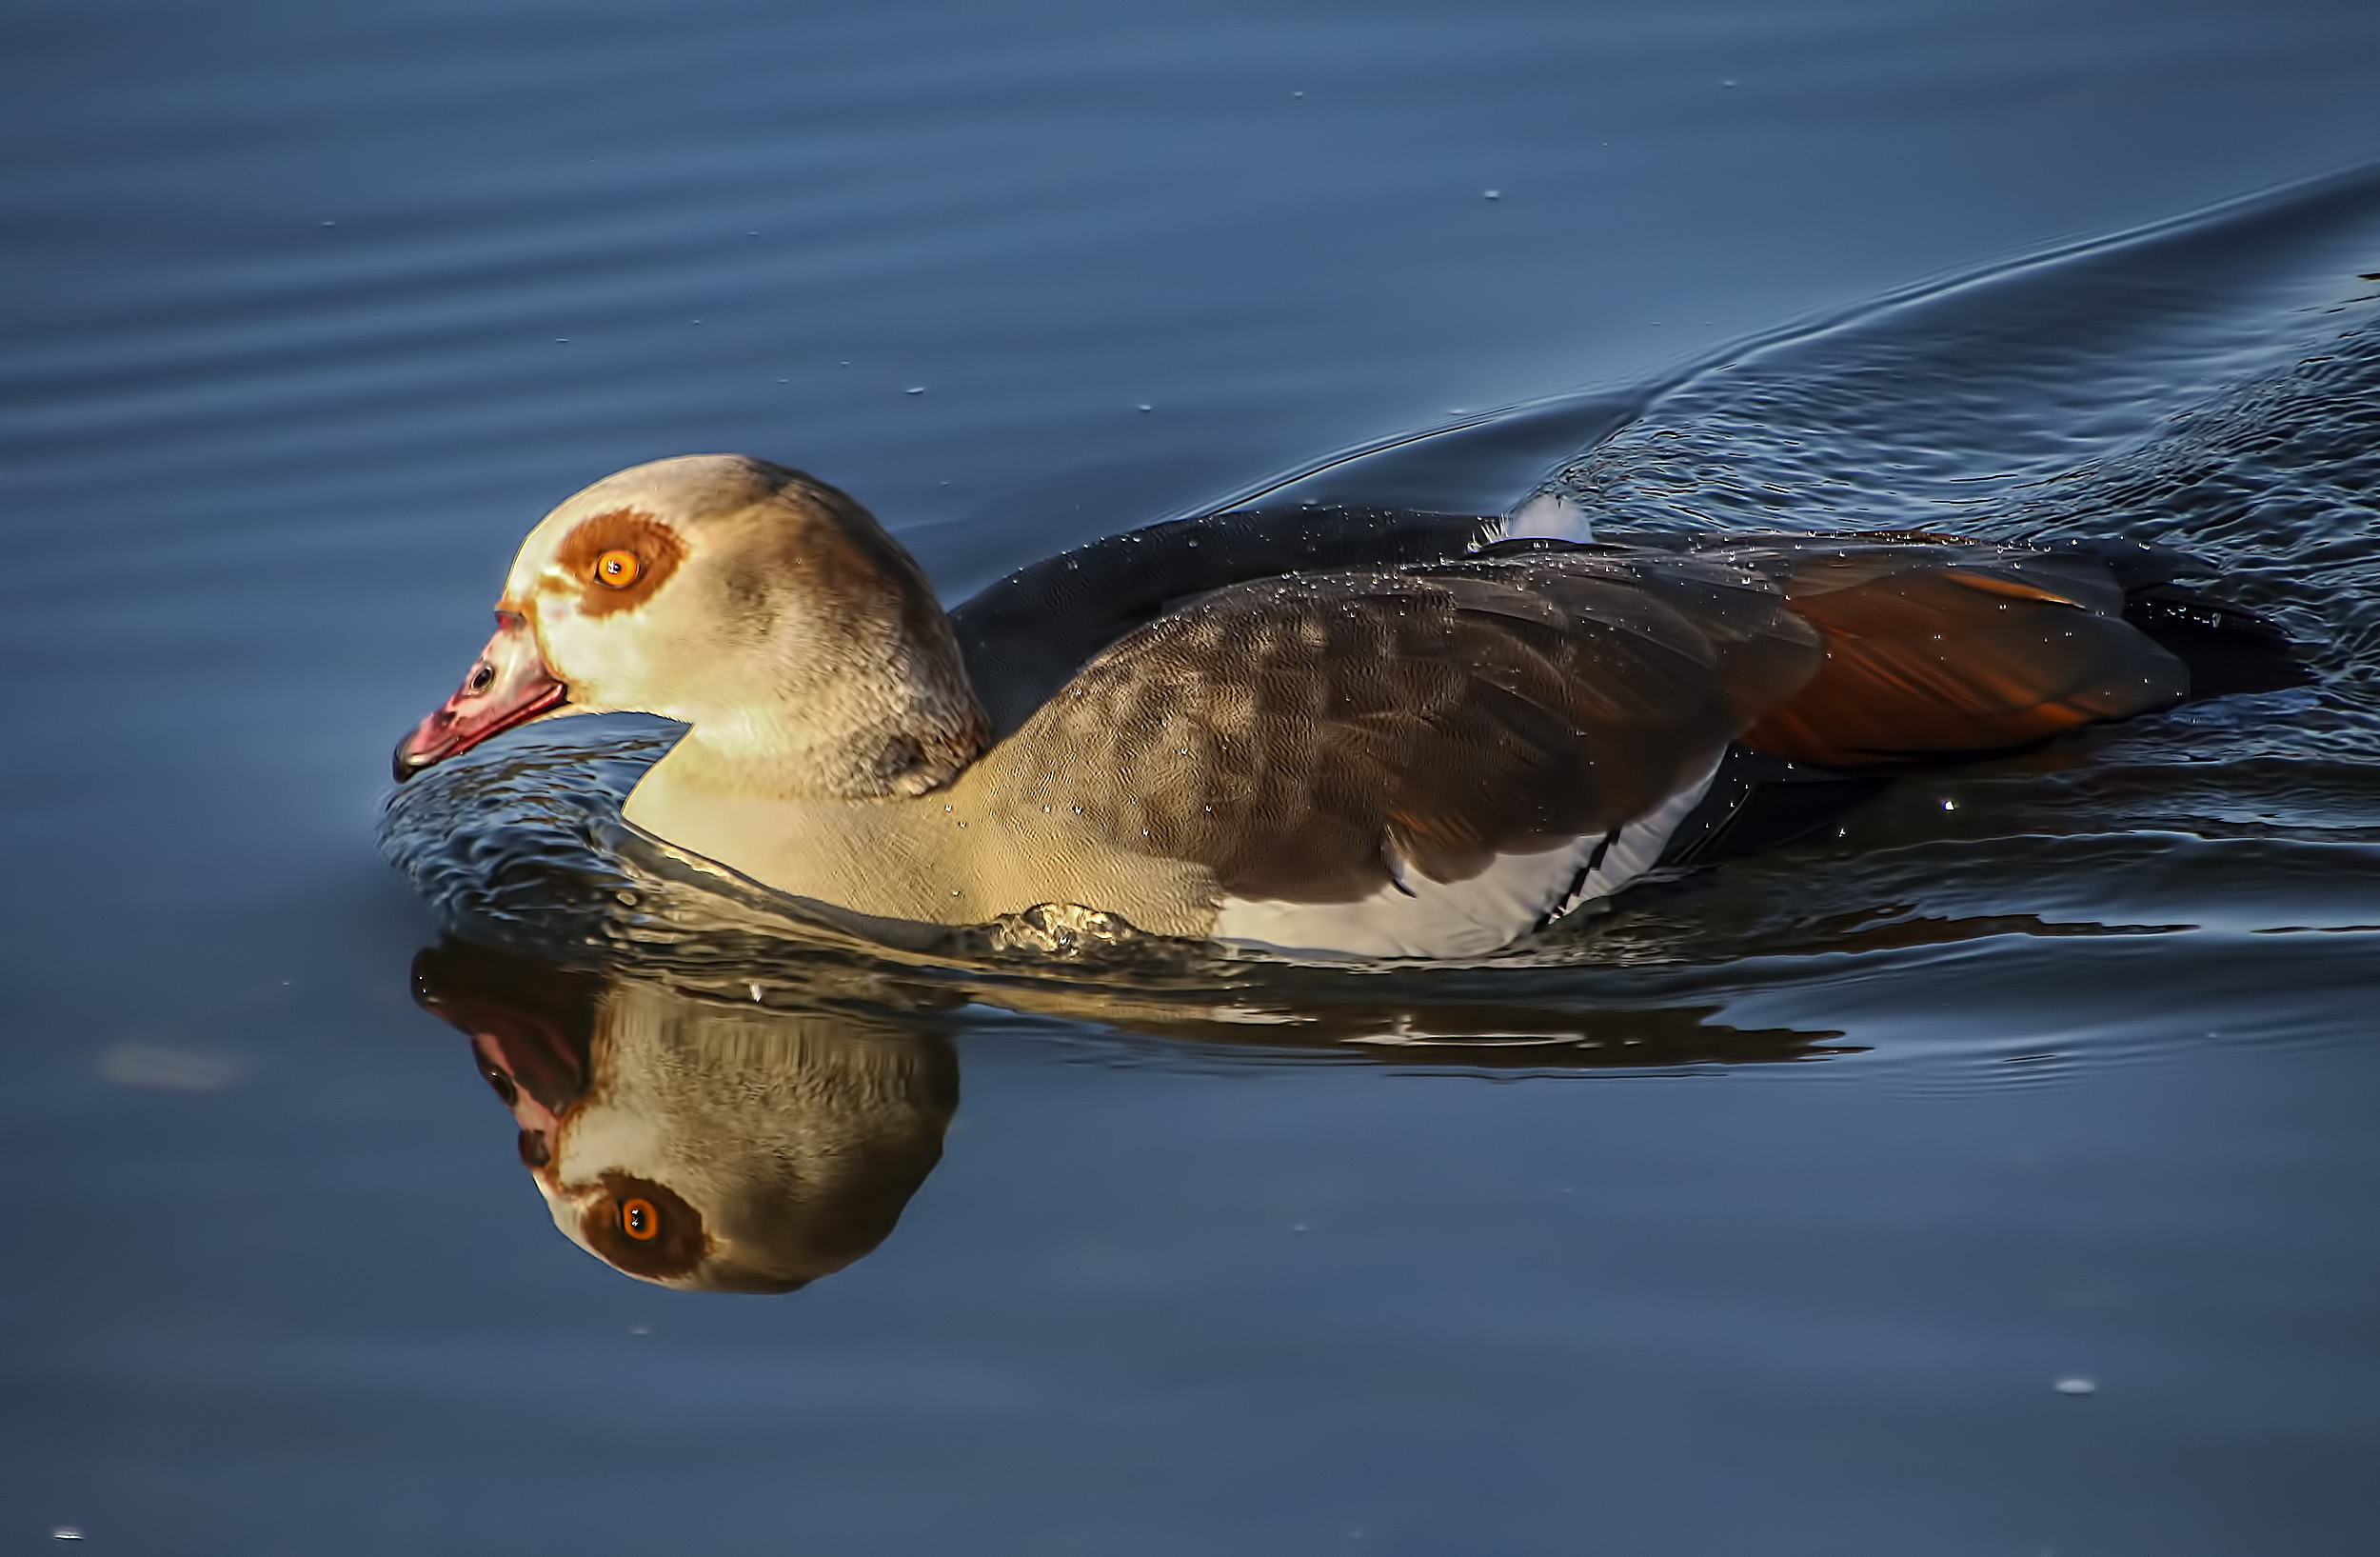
1321, 737
1024, 637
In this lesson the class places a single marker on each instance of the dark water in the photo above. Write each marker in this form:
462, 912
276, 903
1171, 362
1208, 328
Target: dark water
1766, 1214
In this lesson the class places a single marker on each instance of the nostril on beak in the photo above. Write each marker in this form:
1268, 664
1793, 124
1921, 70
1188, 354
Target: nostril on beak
483, 677
534, 1152
501, 1082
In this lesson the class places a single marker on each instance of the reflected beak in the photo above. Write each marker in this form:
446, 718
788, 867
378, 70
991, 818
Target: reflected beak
509, 684
540, 1119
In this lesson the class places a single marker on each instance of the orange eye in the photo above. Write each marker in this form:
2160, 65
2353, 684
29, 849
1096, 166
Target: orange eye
638, 1220
618, 569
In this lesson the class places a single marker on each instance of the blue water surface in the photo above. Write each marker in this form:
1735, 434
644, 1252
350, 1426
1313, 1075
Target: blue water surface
1995, 1178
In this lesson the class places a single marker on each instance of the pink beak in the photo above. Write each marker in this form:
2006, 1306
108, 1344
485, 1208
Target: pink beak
541, 1120
509, 684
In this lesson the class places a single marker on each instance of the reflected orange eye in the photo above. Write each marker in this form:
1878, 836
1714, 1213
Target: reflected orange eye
638, 1219
618, 569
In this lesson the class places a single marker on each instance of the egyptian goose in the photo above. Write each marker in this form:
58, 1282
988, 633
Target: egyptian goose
1314, 731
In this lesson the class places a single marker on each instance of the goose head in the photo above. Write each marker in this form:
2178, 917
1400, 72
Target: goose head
764, 609
701, 1143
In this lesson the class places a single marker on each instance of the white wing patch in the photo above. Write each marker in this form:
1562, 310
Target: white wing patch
1414, 916
1549, 517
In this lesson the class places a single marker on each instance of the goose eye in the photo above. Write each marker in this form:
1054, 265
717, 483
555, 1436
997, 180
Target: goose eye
638, 1220
618, 569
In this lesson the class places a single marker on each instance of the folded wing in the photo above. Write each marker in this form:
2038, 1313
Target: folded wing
1320, 738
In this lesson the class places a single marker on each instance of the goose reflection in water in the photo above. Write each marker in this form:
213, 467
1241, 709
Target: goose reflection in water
693, 1142
691, 1136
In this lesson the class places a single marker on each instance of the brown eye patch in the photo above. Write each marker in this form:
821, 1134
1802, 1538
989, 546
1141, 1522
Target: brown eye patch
644, 1228
620, 559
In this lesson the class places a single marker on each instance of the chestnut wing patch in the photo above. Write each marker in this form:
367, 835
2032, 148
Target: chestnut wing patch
1319, 737
1935, 651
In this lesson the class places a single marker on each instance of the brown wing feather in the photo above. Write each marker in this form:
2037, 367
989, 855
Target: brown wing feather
1312, 737
1937, 650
